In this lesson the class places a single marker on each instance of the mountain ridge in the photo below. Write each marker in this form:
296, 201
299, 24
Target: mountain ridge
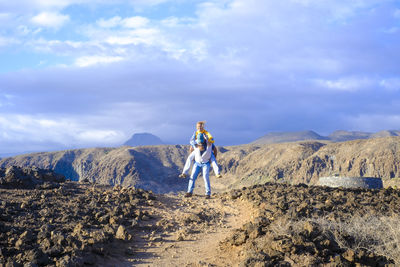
157, 167
336, 136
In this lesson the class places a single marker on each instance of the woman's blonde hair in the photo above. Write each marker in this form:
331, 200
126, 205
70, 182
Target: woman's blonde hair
201, 122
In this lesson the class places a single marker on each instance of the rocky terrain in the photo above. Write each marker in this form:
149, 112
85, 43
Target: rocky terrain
58, 223
310, 226
157, 167
84, 224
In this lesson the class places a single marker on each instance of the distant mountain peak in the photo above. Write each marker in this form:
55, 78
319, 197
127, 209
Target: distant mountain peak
144, 139
386, 133
341, 135
283, 137
336, 136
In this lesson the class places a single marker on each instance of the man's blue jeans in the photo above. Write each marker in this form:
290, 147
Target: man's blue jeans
197, 167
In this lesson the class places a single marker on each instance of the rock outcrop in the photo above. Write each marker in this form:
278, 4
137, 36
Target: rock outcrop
28, 178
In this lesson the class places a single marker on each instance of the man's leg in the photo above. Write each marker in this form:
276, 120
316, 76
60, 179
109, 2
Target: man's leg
206, 177
195, 172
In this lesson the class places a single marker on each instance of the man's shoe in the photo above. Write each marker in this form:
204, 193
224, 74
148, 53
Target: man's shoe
208, 196
182, 175
219, 175
188, 194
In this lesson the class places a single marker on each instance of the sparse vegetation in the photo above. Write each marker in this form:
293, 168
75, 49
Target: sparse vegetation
360, 234
379, 235
303, 226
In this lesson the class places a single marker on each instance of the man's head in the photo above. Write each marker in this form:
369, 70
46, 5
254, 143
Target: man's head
201, 141
200, 125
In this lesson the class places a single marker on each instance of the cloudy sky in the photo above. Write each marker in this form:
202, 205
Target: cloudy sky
80, 73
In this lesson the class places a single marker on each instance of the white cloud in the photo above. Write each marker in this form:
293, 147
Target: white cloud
135, 22
6, 100
391, 30
268, 51
391, 84
6, 41
95, 60
99, 136
59, 4
346, 84
4, 17
27, 128
170, 22
130, 22
109, 23
50, 20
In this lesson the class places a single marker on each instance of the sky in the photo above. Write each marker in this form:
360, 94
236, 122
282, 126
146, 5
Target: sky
80, 73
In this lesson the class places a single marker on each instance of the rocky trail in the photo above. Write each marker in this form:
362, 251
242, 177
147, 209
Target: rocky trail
50, 222
188, 231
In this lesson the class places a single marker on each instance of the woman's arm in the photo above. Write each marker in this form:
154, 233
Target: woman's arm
192, 141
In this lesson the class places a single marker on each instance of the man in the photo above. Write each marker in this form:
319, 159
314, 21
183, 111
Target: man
202, 155
200, 130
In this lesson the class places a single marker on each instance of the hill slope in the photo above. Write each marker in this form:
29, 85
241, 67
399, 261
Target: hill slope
157, 167
304, 162
152, 168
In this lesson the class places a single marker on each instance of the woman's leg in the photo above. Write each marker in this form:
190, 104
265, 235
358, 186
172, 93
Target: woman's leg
214, 165
188, 162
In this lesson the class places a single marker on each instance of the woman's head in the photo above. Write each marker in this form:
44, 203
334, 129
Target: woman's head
200, 125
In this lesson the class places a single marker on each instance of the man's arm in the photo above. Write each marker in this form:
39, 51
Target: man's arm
207, 154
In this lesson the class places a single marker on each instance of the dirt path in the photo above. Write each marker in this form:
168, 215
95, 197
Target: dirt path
187, 232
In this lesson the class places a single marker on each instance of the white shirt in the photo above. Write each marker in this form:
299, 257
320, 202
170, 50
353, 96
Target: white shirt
202, 158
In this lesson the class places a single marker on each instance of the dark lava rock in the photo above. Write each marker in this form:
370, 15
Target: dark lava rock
288, 231
28, 178
67, 225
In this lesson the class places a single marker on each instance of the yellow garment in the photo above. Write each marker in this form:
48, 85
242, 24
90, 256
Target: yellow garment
209, 136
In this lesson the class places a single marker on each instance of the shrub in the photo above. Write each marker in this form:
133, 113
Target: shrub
379, 235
